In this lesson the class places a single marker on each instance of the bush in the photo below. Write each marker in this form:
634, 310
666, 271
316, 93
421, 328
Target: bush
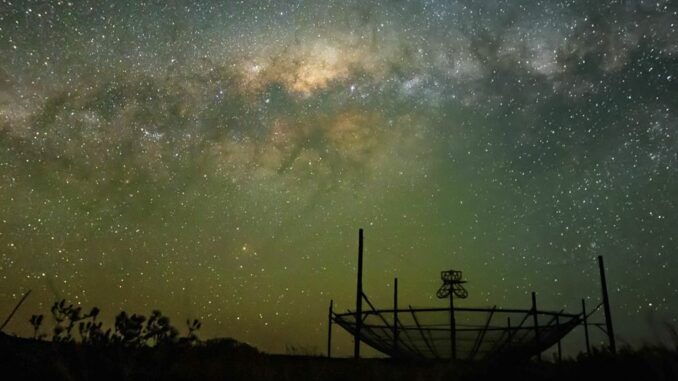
129, 330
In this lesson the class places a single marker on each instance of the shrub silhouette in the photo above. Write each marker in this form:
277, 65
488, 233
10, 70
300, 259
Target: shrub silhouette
159, 331
36, 322
66, 316
128, 329
193, 327
132, 331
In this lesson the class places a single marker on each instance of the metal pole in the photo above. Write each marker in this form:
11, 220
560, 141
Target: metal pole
395, 317
359, 298
453, 328
586, 326
536, 324
560, 349
606, 305
329, 330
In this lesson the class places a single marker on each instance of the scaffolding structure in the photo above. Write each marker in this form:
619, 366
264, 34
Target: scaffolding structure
461, 332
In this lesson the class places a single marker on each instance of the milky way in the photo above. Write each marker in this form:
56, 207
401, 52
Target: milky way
215, 160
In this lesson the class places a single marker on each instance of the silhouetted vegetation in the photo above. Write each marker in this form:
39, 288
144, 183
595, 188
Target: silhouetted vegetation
67, 316
132, 331
36, 322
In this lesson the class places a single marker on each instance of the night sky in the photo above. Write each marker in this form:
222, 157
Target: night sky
215, 160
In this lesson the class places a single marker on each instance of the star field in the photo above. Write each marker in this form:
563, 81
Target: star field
214, 160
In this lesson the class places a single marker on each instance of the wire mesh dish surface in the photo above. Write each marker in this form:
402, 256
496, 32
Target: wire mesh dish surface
479, 332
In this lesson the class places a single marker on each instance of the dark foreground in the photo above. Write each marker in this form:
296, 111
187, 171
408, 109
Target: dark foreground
22, 359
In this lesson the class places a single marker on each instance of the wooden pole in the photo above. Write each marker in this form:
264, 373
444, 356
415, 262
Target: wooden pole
606, 305
536, 324
329, 330
395, 317
453, 328
359, 298
586, 326
560, 349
